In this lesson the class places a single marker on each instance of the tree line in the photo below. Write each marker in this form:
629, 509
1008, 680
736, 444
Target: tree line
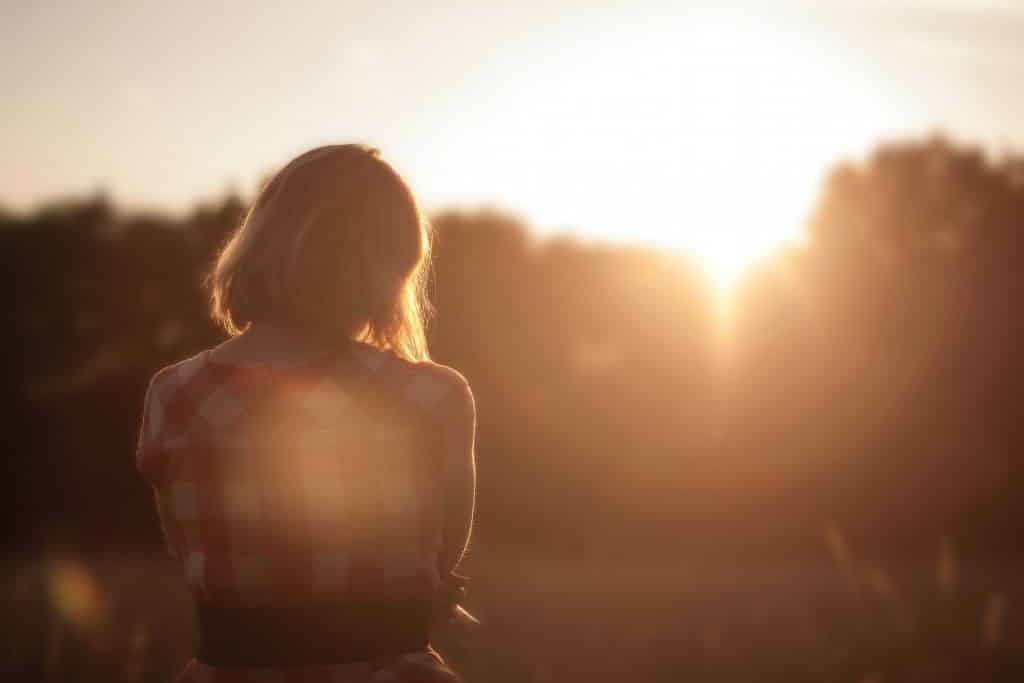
868, 377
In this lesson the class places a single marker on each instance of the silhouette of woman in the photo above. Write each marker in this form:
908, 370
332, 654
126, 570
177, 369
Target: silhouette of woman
314, 474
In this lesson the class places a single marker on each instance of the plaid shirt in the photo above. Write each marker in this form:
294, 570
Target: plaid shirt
281, 486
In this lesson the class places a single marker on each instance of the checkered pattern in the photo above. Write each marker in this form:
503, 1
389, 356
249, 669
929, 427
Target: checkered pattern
415, 667
281, 486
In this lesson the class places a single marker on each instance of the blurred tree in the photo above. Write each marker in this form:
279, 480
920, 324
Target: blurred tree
872, 374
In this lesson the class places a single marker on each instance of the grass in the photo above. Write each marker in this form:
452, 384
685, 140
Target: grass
936, 617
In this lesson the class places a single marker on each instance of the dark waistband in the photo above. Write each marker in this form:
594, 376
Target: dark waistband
317, 635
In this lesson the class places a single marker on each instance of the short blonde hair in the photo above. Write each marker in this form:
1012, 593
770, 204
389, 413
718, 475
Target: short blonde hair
334, 247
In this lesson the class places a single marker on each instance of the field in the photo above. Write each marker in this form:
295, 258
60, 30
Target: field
832, 617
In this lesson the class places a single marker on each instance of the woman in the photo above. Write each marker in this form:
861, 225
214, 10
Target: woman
314, 474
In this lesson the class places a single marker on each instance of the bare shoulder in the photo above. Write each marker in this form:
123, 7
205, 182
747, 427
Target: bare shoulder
433, 385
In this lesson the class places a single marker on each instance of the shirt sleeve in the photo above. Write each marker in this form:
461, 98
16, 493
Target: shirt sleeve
146, 451
149, 457
456, 415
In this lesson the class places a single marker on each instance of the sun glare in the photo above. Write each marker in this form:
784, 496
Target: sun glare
708, 133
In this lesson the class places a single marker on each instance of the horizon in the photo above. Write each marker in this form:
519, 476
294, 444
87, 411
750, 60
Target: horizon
622, 124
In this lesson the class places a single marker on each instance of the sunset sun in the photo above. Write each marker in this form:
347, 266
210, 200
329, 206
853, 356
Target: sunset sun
708, 134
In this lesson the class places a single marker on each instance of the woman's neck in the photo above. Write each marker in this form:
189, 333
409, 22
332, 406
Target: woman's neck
267, 342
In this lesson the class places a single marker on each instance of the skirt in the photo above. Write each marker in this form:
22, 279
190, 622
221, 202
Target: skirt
422, 666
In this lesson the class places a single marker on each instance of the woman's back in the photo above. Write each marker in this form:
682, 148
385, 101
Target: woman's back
309, 480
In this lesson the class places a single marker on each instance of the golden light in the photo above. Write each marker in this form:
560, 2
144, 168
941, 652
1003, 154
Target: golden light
707, 131
363, 498
76, 595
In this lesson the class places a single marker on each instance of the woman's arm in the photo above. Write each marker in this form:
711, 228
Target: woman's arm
458, 428
149, 431
454, 413
149, 457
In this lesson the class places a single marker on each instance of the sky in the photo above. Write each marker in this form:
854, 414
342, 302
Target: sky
706, 126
